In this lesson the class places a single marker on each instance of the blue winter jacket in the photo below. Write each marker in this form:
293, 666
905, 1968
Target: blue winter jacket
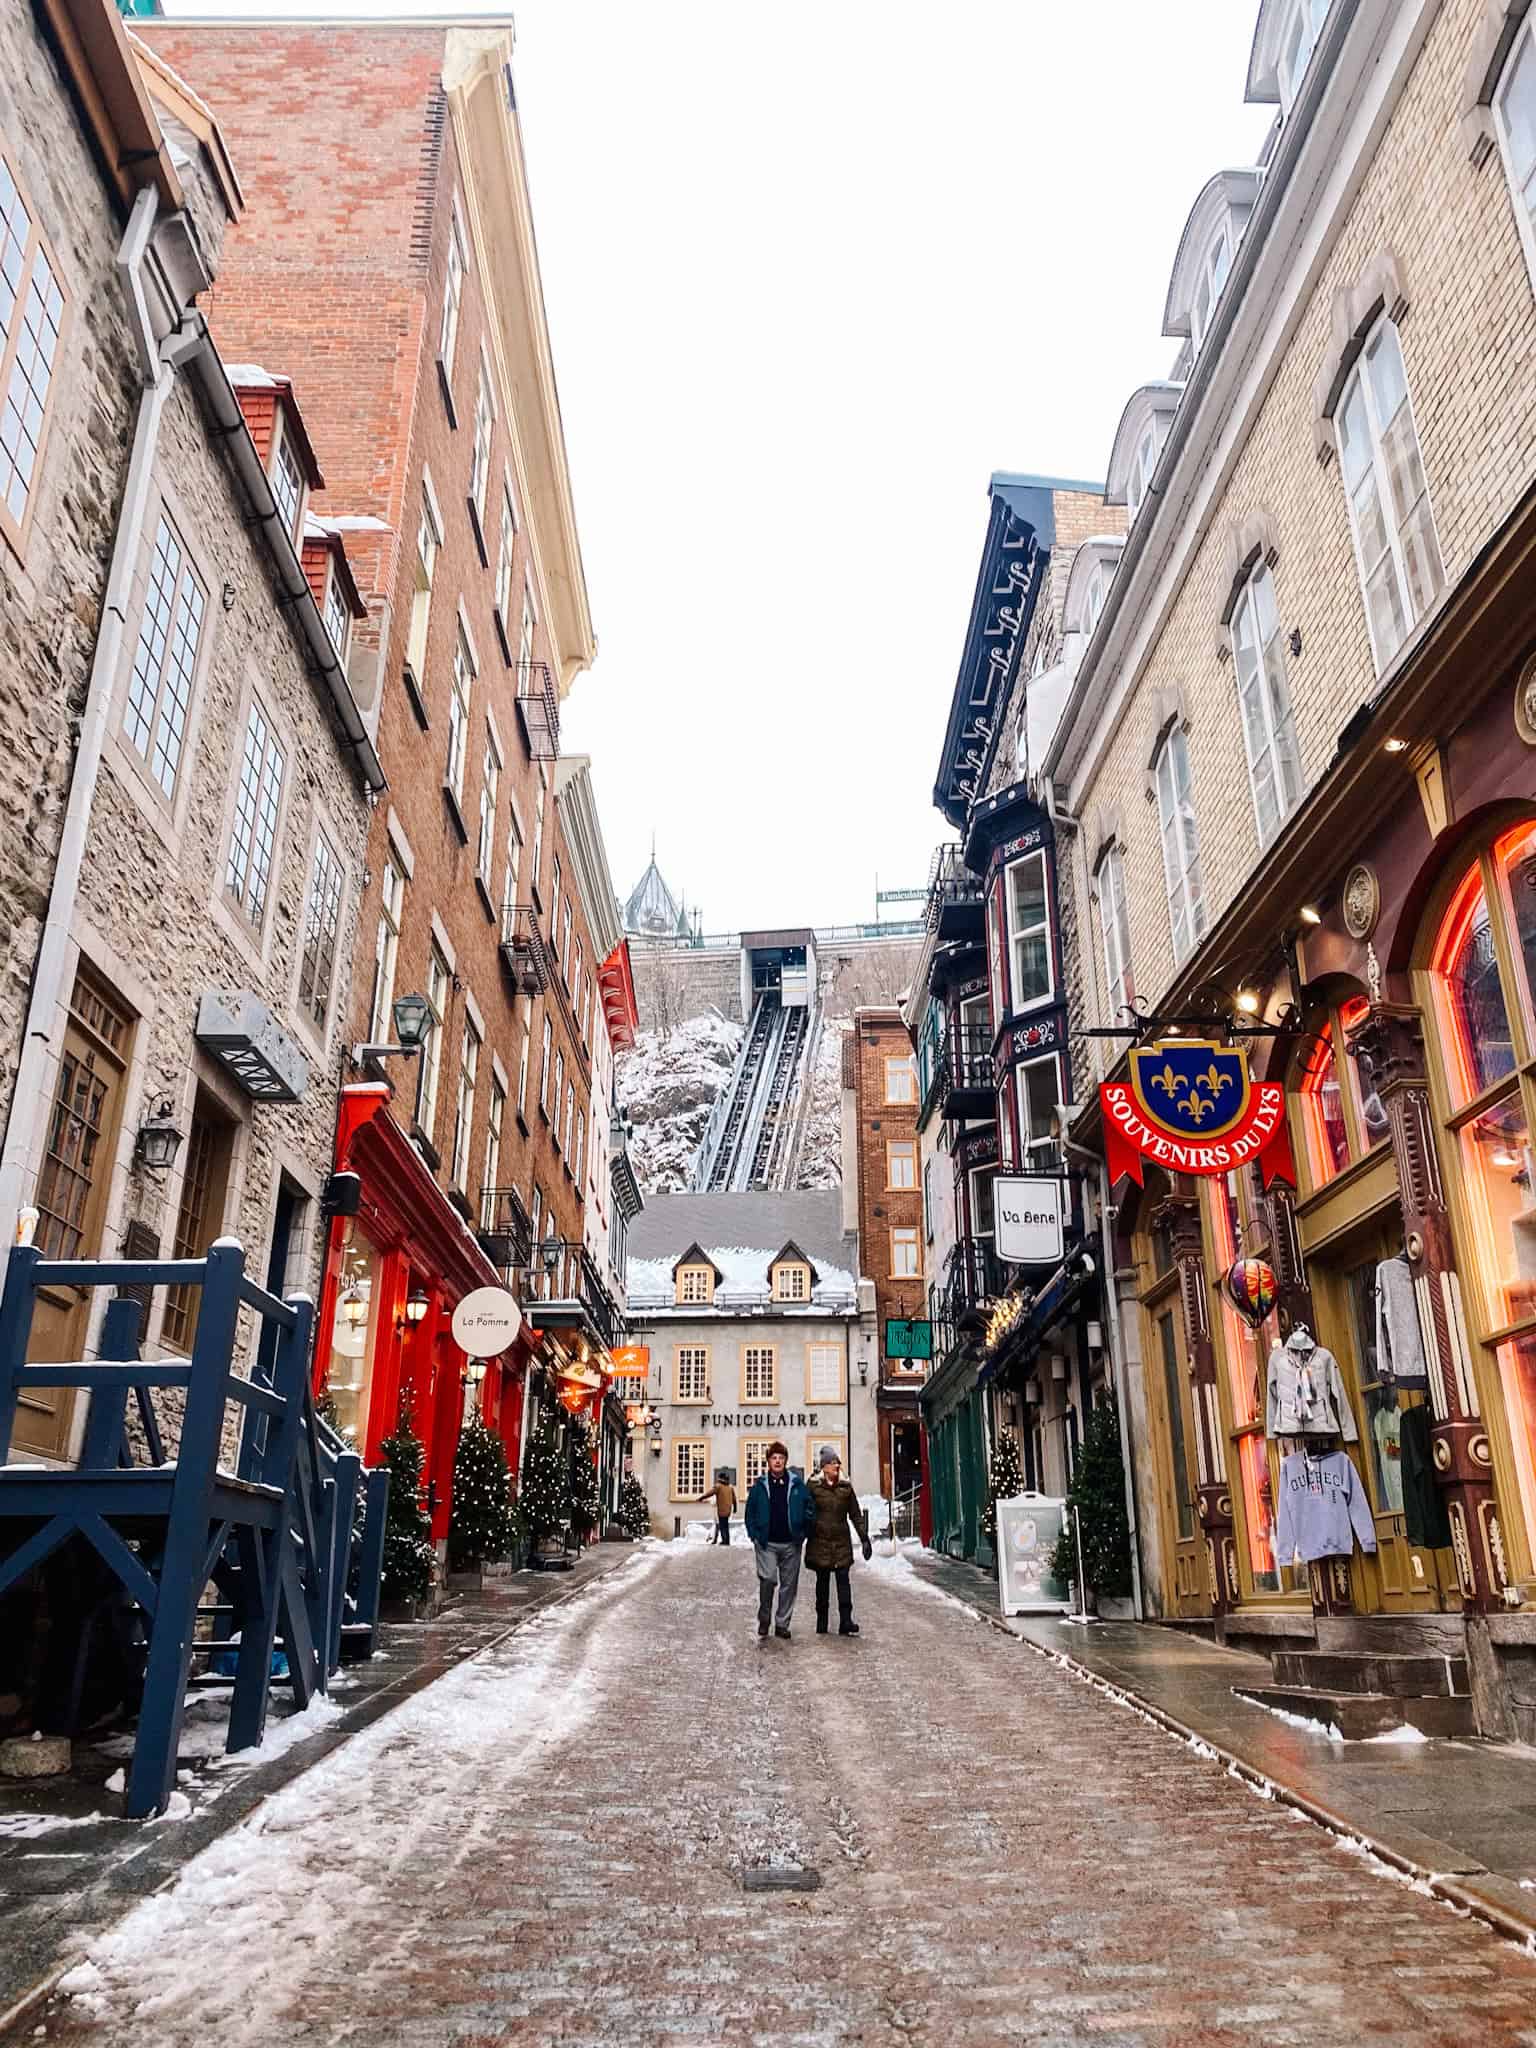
802, 1510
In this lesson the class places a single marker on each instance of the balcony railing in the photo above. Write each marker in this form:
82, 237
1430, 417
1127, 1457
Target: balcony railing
538, 707
572, 1295
523, 952
506, 1229
974, 1280
967, 1078
954, 910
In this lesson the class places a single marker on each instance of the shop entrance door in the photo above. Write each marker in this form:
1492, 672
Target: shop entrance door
1189, 1591
1403, 1577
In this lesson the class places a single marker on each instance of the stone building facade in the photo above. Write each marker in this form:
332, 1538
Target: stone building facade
1298, 745
206, 840
412, 323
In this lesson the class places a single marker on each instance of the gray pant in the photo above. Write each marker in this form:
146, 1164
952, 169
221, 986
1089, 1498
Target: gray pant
777, 1564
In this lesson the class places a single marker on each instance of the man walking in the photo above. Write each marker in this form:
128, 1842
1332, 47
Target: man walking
725, 1506
778, 1519
836, 1511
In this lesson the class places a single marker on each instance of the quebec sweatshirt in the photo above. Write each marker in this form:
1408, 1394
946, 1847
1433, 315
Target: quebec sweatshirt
1323, 1508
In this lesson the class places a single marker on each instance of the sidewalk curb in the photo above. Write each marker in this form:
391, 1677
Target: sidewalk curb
396, 1695
1462, 1891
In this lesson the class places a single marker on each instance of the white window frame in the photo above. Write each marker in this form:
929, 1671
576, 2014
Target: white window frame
480, 451
908, 1148
1376, 470
1215, 269
464, 1104
690, 1373
903, 1231
495, 1116
337, 614
253, 839
694, 1292
1182, 875
819, 1397
490, 784
1046, 1141
512, 873
546, 1074
386, 950
1094, 595
1143, 469
559, 1091
453, 289
285, 474
461, 690
527, 627
439, 982
429, 539
907, 1099
759, 1371
322, 930
524, 1060
1291, 67
791, 1281
35, 312
1269, 732
1018, 936
1114, 932
506, 545
158, 706
692, 1483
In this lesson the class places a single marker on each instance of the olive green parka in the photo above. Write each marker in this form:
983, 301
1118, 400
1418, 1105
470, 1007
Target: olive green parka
837, 1513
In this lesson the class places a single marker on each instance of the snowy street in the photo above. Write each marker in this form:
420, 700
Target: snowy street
549, 1845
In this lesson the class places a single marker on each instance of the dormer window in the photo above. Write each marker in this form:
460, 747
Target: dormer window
1298, 39
695, 1279
287, 480
1206, 251
1138, 444
792, 1283
1212, 276
1094, 596
337, 614
1143, 464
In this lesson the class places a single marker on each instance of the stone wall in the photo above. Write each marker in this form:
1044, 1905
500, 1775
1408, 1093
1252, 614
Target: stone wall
673, 984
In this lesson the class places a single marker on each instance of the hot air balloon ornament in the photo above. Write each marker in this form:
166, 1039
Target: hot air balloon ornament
1252, 1290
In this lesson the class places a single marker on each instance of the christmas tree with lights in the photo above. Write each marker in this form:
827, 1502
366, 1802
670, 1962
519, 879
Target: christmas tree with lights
545, 1493
1005, 1479
1098, 1494
634, 1509
407, 1573
480, 1525
586, 1494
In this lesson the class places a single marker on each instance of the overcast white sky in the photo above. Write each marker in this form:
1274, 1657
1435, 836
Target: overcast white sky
813, 272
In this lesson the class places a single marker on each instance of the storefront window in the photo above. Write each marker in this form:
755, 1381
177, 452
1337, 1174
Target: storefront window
1517, 1373
1479, 1048
1375, 1125
1322, 1110
1173, 1393
1496, 1148
1515, 856
352, 1338
1244, 1353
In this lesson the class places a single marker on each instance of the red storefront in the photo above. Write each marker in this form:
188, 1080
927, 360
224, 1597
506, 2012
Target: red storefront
394, 1272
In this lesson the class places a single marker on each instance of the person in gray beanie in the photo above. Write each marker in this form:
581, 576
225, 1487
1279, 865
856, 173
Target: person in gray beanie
836, 1513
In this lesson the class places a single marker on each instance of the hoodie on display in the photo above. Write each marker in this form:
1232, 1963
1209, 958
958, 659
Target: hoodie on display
1306, 1391
1323, 1509
1399, 1340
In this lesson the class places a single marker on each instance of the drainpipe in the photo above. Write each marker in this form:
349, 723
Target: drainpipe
32, 1097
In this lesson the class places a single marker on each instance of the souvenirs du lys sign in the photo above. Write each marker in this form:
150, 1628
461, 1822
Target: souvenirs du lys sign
1191, 1107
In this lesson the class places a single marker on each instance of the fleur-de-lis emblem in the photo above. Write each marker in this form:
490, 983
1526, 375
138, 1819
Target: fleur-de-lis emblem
1214, 1079
1167, 1080
1196, 1108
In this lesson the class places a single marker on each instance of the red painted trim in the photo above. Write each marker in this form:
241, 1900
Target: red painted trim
616, 980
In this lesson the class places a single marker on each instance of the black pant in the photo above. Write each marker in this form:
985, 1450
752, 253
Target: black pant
723, 1528
844, 1595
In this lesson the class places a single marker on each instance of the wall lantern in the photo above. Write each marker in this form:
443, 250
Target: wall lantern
414, 1024
549, 1252
474, 1372
158, 1141
354, 1306
416, 1306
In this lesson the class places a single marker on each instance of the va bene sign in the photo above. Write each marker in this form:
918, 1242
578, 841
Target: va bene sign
1190, 1106
1027, 1219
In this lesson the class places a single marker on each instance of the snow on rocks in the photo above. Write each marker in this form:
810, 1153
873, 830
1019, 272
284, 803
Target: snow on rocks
821, 1148
667, 1087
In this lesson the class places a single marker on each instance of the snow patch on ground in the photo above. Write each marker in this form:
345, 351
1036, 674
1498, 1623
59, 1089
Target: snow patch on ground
1407, 1733
893, 1563
205, 1728
667, 1087
1302, 1721
26, 1827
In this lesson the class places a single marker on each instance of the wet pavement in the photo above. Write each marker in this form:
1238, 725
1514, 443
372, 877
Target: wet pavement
1463, 1810
561, 1842
70, 1865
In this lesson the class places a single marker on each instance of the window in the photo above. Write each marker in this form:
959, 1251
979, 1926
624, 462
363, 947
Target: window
1029, 931
480, 458
538, 845
199, 1214
754, 1460
695, 1284
165, 658
338, 615
431, 1054
1213, 275
1269, 733
1039, 1094
1515, 117
576, 970
321, 920
559, 1091
544, 1070
1143, 467
906, 1253
690, 1460
759, 1372
1395, 546
791, 1282
458, 715
581, 1142
492, 1176
254, 839
1321, 1099
901, 1162
464, 1109
522, 1069
1095, 594
824, 1373
901, 1079
1181, 846
490, 780
386, 951
555, 890
287, 481
525, 641
1298, 39
570, 1118
1115, 933
513, 873
504, 556
692, 1372
428, 540
565, 943
453, 290
31, 315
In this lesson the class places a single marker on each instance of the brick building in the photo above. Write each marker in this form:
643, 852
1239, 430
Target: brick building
882, 1188
1297, 746
409, 317
186, 794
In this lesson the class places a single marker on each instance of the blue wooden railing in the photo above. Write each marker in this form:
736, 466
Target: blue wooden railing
277, 1534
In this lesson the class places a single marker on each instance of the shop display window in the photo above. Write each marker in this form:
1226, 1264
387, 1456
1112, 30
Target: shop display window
1322, 1110
1496, 1152
353, 1331
1478, 1044
1244, 1351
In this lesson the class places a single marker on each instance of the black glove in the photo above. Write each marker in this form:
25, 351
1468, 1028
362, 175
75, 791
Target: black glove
869, 1550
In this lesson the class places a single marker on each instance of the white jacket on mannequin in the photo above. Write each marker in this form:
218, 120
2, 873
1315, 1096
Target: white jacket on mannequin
1306, 1391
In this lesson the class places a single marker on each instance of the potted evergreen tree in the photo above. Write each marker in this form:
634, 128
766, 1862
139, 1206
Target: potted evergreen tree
586, 1493
1005, 1479
405, 1583
481, 1526
634, 1509
545, 1498
1097, 1493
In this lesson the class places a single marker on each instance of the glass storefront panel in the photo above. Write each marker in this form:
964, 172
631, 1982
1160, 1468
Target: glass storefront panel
1375, 1125
1322, 1112
1515, 855
1496, 1151
1244, 1352
1173, 1393
1517, 1375
1478, 1043
353, 1330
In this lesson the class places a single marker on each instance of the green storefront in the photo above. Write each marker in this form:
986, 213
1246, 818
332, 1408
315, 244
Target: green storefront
957, 1416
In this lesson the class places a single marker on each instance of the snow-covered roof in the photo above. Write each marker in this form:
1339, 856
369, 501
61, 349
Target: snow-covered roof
743, 1235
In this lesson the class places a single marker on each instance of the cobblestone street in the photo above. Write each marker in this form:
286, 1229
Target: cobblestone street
548, 1845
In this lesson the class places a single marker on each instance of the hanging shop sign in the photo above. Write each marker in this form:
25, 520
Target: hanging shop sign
1027, 1217
632, 1361
1003, 1319
906, 1339
1191, 1107
485, 1322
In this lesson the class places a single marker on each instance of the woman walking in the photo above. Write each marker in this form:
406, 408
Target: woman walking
829, 1550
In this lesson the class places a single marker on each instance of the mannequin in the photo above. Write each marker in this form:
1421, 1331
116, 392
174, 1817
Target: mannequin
1306, 1391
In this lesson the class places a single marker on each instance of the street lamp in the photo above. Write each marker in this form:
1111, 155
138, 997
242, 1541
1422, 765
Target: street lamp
416, 1306
158, 1141
414, 1024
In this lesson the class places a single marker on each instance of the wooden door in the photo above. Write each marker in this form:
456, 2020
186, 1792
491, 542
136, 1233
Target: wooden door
71, 1197
1188, 1591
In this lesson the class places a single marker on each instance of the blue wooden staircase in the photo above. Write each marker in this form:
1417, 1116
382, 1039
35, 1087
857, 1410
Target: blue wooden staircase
271, 1523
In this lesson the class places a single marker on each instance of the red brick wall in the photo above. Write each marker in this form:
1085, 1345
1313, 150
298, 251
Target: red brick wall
879, 1035
334, 277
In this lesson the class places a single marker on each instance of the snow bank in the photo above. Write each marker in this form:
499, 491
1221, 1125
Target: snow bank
893, 1562
744, 1271
667, 1087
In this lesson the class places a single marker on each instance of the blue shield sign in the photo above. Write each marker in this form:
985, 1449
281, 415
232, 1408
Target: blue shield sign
1190, 1088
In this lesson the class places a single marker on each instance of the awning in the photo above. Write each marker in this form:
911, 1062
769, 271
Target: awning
1060, 1293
